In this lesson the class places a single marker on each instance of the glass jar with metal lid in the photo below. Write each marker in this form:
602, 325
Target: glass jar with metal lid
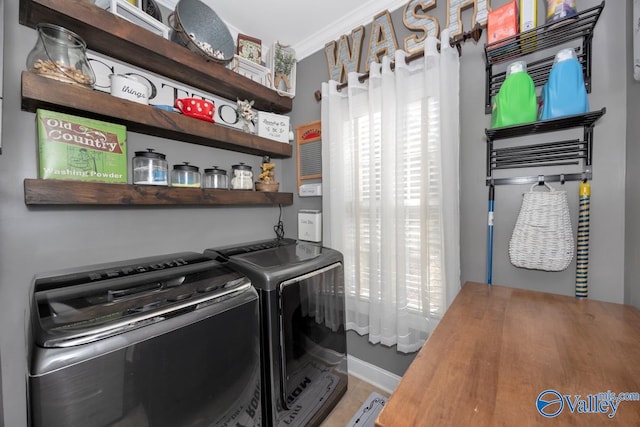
242, 177
215, 178
60, 54
150, 168
185, 175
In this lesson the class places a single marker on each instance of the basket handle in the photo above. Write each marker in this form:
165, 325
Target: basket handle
551, 189
171, 20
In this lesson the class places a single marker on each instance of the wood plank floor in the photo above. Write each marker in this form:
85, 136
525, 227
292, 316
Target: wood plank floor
356, 394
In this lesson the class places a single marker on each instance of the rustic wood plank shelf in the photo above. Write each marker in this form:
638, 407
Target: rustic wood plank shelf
59, 192
116, 37
111, 35
43, 92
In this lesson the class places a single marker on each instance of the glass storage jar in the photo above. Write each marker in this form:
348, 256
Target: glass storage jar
185, 175
215, 178
150, 168
242, 177
60, 54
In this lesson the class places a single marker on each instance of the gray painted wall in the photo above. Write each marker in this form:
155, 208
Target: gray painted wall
632, 232
42, 239
607, 252
606, 270
1, 101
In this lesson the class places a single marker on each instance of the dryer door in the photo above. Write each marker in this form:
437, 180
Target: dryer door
313, 341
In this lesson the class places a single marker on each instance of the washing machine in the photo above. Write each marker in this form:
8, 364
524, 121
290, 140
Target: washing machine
163, 341
303, 340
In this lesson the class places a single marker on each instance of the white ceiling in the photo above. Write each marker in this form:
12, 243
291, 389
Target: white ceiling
305, 25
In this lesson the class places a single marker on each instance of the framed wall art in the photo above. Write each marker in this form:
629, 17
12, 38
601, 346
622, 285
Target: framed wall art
283, 67
250, 48
309, 151
151, 8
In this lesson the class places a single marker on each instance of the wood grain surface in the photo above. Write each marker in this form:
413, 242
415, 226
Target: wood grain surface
43, 92
67, 192
498, 348
118, 38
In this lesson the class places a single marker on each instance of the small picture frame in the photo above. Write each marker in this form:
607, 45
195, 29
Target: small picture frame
309, 151
250, 48
283, 63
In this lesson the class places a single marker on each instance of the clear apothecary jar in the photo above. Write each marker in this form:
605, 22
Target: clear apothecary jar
215, 178
60, 54
150, 168
185, 175
241, 177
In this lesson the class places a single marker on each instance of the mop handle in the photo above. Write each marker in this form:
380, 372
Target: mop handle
582, 255
490, 235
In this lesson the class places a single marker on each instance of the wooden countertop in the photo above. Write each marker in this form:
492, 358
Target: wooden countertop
498, 348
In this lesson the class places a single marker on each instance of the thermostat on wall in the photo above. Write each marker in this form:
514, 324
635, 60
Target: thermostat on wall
308, 190
310, 225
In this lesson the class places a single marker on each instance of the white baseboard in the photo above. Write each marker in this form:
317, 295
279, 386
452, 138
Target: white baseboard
372, 374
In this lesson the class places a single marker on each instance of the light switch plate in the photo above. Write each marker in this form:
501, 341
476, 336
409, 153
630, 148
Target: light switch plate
309, 190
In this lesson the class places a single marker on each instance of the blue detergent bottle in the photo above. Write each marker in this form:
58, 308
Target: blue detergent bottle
564, 93
516, 100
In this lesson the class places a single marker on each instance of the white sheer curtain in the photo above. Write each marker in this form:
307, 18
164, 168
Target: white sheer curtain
390, 198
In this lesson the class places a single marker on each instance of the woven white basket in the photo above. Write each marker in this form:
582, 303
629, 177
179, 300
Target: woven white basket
542, 238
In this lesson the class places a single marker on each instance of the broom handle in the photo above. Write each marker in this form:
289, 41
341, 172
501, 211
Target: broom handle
582, 255
490, 235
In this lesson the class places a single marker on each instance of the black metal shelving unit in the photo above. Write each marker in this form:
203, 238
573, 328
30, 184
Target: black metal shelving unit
557, 153
541, 154
579, 26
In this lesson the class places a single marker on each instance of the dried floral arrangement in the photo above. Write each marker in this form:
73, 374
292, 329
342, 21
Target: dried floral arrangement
244, 112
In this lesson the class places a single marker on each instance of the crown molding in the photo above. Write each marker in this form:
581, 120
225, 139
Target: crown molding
360, 16
314, 42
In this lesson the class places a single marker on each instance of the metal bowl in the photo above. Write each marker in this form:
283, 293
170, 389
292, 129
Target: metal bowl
198, 27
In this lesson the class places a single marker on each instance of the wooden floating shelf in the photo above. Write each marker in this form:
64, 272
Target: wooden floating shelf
48, 93
118, 38
62, 192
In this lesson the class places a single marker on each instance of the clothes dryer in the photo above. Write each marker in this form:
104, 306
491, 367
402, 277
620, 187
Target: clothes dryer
302, 307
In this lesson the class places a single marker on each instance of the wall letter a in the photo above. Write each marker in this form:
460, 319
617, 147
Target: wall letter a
382, 41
